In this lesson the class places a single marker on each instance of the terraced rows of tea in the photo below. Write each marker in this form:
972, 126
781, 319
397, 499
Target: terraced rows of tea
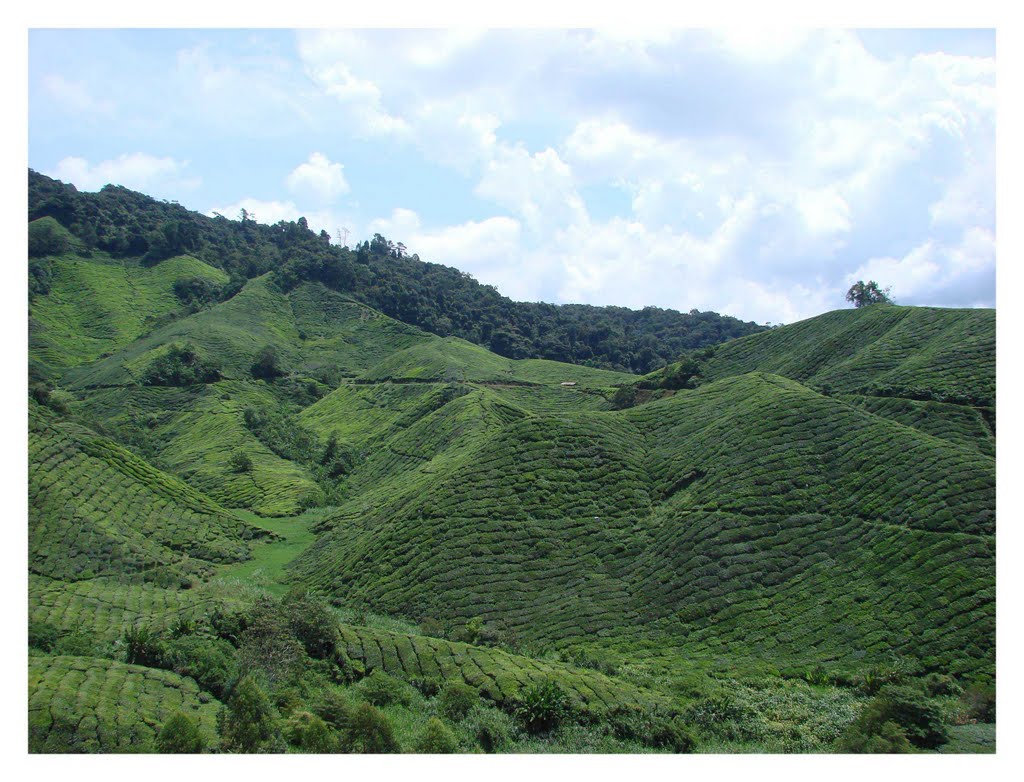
959, 424
498, 675
310, 329
196, 430
84, 704
106, 607
825, 496
95, 509
913, 352
812, 589
578, 526
98, 305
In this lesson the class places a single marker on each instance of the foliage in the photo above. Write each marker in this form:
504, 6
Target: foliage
863, 294
456, 699
42, 636
382, 689
47, 237
198, 292
210, 661
870, 737
248, 723
905, 707
436, 298
180, 735
491, 728
313, 622
543, 707
980, 700
436, 739
267, 365
310, 733
369, 731
652, 726
142, 646
240, 462
180, 365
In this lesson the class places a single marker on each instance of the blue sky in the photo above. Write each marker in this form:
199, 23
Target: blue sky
756, 174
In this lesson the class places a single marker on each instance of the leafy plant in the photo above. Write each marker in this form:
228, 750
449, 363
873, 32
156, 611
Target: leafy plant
180, 735
543, 707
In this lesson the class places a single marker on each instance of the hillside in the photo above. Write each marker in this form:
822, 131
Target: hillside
122, 224
249, 480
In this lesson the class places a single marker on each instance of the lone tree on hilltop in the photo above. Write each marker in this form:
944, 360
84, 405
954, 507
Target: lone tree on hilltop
864, 293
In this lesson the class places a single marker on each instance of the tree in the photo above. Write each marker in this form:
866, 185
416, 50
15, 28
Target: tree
180, 735
862, 294
266, 366
436, 739
247, 724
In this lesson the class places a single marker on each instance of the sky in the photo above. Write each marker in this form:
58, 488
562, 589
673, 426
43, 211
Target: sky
757, 174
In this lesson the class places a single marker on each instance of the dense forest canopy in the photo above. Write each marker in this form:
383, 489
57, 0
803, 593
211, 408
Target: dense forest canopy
380, 273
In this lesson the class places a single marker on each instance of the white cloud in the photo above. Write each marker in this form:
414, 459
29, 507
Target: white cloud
270, 212
75, 96
937, 274
137, 171
319, 177
488, 249
539, 187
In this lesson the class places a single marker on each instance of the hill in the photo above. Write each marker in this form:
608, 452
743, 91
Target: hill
244, 473
439, 299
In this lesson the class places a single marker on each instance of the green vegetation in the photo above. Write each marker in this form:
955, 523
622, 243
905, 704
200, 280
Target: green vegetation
265, 516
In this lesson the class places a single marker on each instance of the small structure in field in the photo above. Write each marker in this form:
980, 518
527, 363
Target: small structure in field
568, 382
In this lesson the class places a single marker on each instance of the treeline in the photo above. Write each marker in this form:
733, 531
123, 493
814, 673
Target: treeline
380, 273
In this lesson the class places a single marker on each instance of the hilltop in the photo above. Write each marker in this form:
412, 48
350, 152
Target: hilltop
241, 460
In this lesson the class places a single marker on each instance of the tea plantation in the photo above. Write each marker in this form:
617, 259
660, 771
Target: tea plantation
265, 517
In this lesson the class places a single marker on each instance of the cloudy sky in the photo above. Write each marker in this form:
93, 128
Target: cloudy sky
754, 174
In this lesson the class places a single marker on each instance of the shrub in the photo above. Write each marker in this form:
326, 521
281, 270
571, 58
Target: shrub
310, 733
456, 699
653, 727
673, 734
917, 719
47, 237
142, 647
382, 689
980, 700
314, 623
334, 708
939, 684
267, 366
492, 729
369, 731
240, 462
197, 291
543, 707
436, 739
180, 735
886, 738
247, 724
42, 636
181, 365
210, 661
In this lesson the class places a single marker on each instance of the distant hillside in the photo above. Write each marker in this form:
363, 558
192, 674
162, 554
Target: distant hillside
439, 299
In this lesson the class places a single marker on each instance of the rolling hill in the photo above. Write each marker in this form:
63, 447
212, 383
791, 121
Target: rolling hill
265, 473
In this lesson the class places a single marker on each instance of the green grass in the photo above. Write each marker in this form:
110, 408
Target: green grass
266, 567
